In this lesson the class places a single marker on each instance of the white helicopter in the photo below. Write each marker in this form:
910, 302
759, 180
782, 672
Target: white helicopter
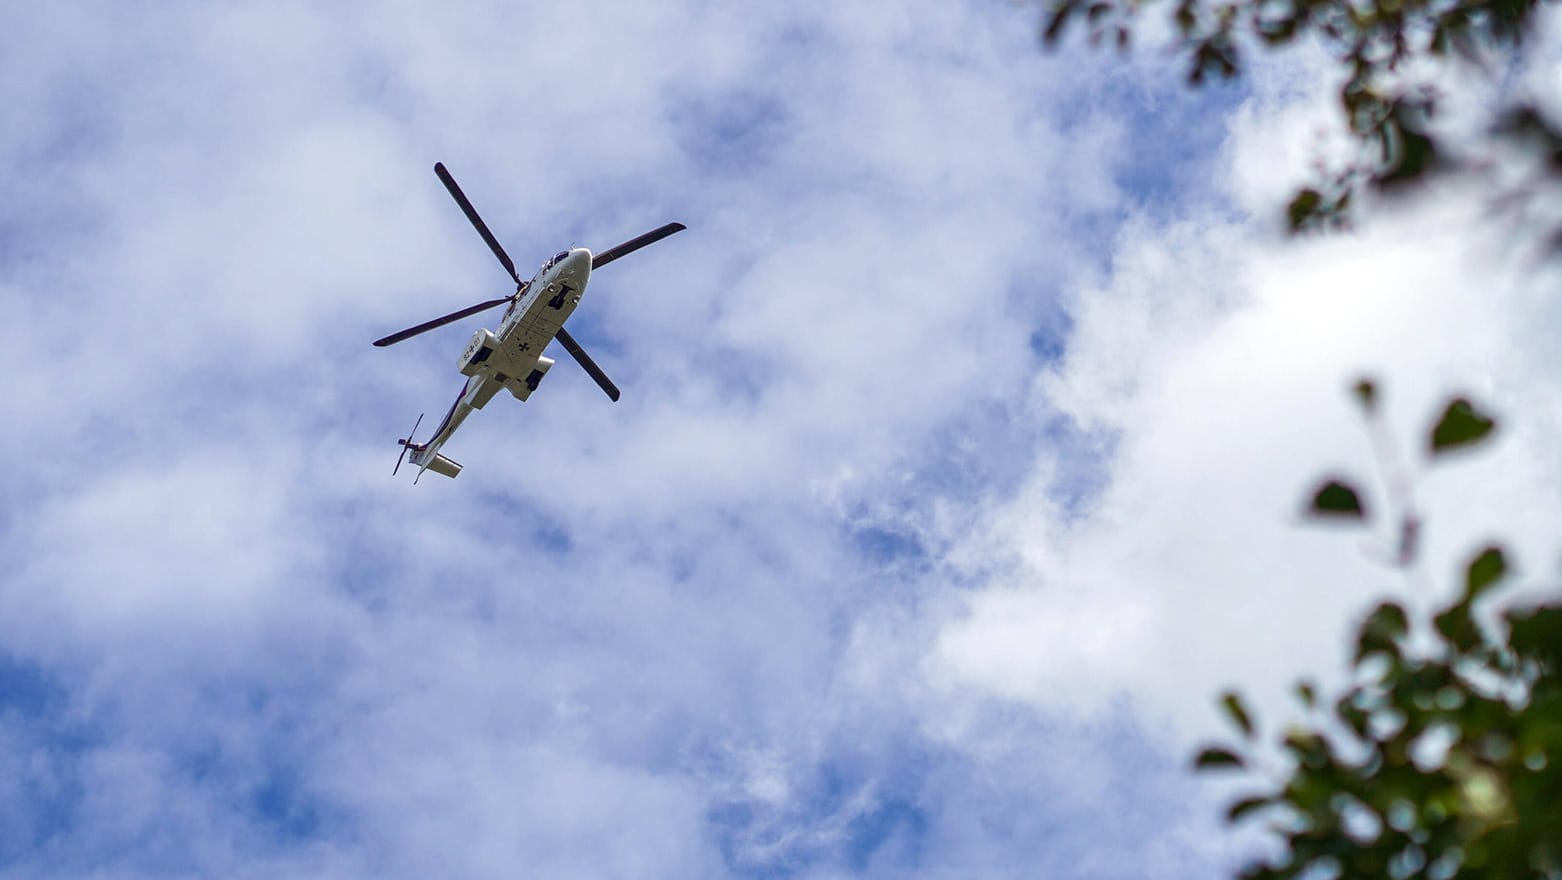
512, 358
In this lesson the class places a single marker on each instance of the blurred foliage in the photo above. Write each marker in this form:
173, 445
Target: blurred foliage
1391, 52
1337, 498
1461, 425
1443, 756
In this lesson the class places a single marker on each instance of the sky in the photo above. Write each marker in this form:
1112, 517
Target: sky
959, 465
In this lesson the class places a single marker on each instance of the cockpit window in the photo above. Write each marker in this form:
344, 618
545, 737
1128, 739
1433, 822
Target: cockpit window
556, 258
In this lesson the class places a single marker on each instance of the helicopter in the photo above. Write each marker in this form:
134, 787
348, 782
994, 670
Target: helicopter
512, 358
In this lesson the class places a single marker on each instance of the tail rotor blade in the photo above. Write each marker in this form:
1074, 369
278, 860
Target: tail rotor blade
407, 444
440, 321
477, 222
635, 244
590, 366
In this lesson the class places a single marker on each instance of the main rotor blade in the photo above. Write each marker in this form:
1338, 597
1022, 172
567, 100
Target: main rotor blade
471, 214
573, 347
635, 244
440, 322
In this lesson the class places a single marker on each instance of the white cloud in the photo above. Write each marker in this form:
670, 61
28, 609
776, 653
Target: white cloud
1223, 375
780, 610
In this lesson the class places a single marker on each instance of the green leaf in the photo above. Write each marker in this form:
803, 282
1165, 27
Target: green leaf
1366, 392
1382, 631
1237, 713
1311, 750
1303, 208
1307, 693
1336, 498
1058, 20
1461, 425
1247, 805
1484, 571
1537, 633
1354, 716
1216, 757
1411, 152
1458, 627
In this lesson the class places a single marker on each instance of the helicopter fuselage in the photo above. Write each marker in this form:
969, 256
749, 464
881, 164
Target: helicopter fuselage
511, 359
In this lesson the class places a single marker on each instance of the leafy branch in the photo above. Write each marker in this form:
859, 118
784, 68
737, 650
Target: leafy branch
1390, 50
1443, 758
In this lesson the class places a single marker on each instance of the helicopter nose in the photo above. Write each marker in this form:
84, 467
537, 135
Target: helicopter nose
578, 263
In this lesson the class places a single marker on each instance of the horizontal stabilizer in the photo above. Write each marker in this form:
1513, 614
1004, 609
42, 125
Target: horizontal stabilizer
442, 465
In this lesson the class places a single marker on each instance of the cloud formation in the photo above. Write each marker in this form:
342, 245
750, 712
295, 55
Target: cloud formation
933, 430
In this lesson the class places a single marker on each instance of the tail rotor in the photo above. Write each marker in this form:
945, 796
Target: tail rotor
406, 443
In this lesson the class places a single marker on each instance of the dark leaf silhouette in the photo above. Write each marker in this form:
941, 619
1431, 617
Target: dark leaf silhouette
1336, 498
1461, 425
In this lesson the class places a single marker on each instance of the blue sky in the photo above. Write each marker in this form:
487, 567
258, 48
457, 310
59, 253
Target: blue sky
956, 470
